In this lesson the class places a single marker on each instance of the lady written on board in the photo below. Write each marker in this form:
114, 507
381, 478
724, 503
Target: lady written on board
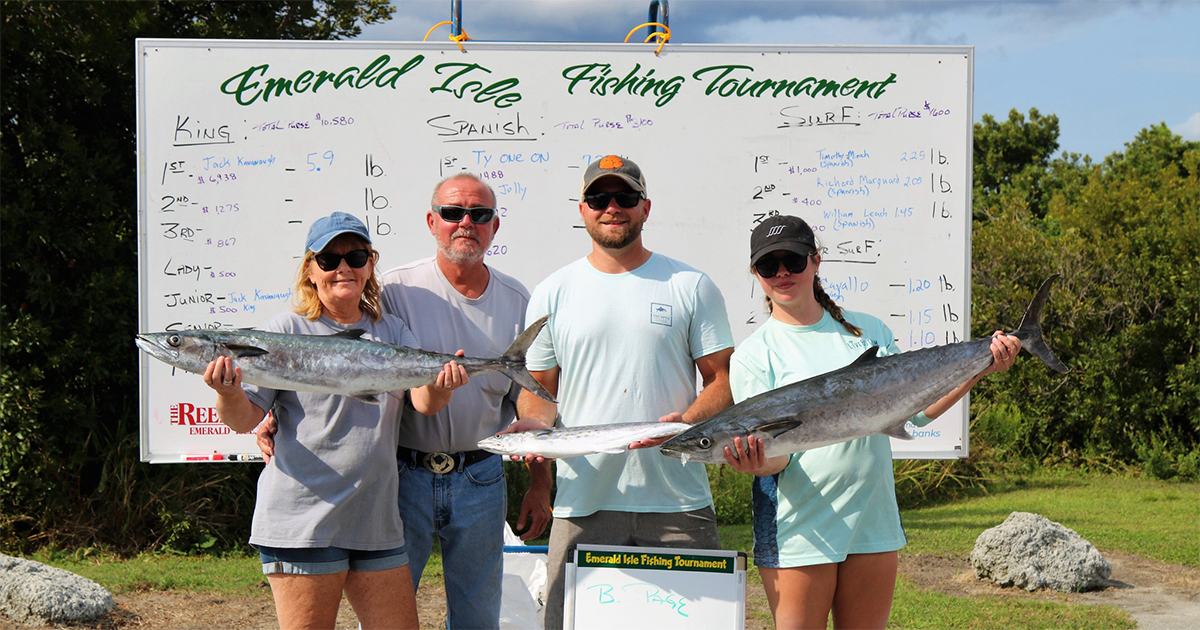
826, 524
325, 518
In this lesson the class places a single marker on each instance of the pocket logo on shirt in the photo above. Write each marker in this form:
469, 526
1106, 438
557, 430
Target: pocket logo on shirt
660, 314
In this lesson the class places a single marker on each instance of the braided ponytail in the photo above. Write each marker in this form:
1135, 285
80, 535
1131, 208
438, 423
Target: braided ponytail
828, 304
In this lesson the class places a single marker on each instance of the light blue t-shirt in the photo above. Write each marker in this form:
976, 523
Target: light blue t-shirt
831, 501
332, 481
626, 345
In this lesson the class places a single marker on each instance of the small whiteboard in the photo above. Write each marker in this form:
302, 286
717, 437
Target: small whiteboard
655, 587
242, 144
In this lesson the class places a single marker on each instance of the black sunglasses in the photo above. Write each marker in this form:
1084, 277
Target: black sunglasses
356, 259
625, 199
455, 214
767, 267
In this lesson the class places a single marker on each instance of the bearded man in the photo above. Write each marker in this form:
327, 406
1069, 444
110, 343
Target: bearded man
630, 329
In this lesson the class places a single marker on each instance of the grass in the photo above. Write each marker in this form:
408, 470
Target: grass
1157, 520
1150, 518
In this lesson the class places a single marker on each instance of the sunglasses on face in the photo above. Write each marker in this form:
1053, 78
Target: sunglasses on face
768, 266
455, 214
600, 201
356, 259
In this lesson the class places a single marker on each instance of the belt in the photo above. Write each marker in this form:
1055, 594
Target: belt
441, 463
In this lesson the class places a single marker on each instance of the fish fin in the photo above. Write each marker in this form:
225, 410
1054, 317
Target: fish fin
539, 432
242, 350
377, 399
779, 427
349, 333
868, 355
514, 355
898, 431
1030, 330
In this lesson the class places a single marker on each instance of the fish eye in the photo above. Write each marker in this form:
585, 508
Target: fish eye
705, 442
174, 340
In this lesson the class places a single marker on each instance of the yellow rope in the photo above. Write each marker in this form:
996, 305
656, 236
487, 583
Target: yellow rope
662, 38
459, 39
435, 27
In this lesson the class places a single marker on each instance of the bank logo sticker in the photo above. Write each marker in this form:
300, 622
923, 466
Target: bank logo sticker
660, 314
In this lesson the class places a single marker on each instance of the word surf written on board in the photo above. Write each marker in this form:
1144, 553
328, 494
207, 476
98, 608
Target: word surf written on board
243, 144
642, 587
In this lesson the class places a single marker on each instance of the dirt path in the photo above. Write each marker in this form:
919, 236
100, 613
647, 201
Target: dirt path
1158, 596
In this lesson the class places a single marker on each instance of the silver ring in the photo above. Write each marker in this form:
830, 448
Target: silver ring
227, 383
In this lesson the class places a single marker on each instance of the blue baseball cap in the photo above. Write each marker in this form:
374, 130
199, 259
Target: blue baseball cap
325, 229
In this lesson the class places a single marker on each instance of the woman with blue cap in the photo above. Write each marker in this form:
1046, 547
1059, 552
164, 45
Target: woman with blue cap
325, 519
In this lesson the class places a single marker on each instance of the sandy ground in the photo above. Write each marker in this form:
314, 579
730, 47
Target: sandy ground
1158, 596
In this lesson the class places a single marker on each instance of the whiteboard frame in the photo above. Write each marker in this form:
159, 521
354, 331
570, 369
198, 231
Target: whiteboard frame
144, 46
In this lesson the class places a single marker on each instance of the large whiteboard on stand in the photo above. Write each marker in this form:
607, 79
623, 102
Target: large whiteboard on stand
241, 144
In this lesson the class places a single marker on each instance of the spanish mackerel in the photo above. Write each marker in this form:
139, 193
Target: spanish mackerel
872, 395
342, 363
575, 441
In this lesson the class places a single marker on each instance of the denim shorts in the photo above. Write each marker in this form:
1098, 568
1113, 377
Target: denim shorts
326, 560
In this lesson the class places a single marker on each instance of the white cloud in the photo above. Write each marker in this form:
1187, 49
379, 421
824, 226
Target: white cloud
1190, 130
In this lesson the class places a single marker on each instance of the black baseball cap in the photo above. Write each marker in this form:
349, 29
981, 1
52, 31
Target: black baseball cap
782, 232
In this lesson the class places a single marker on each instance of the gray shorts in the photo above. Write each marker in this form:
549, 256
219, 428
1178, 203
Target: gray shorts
693, 530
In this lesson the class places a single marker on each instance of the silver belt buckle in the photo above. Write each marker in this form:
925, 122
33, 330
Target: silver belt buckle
439, 463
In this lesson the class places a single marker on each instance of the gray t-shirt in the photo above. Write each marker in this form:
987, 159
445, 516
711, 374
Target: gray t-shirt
444, 320
332, 482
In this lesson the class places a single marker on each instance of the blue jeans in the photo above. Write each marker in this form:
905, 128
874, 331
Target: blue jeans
466, 511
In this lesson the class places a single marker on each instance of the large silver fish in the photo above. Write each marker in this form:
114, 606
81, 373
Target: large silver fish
872, 395
342, 363
575, 441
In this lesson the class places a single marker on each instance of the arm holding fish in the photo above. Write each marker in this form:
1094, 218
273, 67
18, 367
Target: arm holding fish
714, 398
233, 406
431, 399
748, 454
1004, 353
534, 414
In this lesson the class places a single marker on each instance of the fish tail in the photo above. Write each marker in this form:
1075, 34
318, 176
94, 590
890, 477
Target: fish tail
514, 359
1030, 330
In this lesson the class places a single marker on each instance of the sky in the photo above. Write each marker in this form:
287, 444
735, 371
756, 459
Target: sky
1106, 68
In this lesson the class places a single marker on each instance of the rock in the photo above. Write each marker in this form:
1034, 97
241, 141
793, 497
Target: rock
33, 593
1032, 552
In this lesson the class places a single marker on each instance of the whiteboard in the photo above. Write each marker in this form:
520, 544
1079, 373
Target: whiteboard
655, 587
242, 144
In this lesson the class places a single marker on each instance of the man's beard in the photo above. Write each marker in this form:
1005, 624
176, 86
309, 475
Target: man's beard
617, 240
460, 255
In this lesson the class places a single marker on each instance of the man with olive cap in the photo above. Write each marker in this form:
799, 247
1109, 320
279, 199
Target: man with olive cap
630, 328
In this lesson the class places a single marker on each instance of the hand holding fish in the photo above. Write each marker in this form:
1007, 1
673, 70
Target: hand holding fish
521, 426
430, 399
752, 458
233, 406
223, 376
674, 416
1005, 349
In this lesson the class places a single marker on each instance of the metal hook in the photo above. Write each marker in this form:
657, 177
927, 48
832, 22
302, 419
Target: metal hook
666, 18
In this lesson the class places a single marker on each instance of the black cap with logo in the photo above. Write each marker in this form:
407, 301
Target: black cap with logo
782, 232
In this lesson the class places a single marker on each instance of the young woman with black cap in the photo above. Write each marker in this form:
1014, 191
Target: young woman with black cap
826, 524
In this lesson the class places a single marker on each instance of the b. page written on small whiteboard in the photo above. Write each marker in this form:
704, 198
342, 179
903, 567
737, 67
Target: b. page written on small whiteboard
656, 587
242, 144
